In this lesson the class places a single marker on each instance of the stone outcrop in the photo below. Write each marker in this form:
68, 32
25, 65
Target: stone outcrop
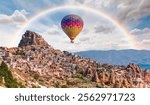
32, 38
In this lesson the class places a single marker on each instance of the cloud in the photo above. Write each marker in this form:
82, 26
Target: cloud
54, 30
103, 29
9, 25
141, 34
84, 39
142, 37
132, 9
16, 18
145, 31
124, 10
144, 44
85, 31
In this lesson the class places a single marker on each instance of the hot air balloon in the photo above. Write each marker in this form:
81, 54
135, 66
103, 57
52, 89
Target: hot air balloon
72, 26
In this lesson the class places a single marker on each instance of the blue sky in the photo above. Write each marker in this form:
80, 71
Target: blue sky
145, 22
133, 14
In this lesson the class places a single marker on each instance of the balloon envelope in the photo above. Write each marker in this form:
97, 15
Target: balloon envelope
72, 26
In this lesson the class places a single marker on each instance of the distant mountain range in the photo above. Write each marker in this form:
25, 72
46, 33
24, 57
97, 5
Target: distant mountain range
119, 57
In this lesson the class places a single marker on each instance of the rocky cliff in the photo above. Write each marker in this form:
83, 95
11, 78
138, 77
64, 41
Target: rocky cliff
32, 38
36, 64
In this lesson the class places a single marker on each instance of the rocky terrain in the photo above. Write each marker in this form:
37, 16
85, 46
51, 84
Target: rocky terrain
34, 63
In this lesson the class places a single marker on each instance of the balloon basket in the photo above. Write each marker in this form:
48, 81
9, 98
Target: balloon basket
72, 41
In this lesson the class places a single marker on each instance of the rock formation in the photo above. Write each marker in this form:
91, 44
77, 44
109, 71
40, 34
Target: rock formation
32, 38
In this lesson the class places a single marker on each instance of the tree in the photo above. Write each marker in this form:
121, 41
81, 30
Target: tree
10, 82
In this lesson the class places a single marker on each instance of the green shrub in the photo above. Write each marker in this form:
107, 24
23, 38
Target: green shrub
57, 85
10, 82
1, 79
33, 86
99, 86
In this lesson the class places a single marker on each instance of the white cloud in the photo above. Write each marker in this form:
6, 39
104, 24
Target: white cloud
17, 17
141, 34
142, 37
84, 39
54, 30
145, 44
145, 31
4, 19
9, 25
103, 29
133, 9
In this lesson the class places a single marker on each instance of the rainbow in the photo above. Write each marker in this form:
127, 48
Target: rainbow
114, 21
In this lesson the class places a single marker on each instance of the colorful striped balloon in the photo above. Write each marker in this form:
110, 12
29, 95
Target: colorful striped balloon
72, 26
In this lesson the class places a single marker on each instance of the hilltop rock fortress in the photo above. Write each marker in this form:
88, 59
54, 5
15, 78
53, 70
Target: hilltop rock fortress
35, 63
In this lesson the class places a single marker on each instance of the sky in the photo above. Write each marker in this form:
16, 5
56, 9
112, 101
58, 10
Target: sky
98, 33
